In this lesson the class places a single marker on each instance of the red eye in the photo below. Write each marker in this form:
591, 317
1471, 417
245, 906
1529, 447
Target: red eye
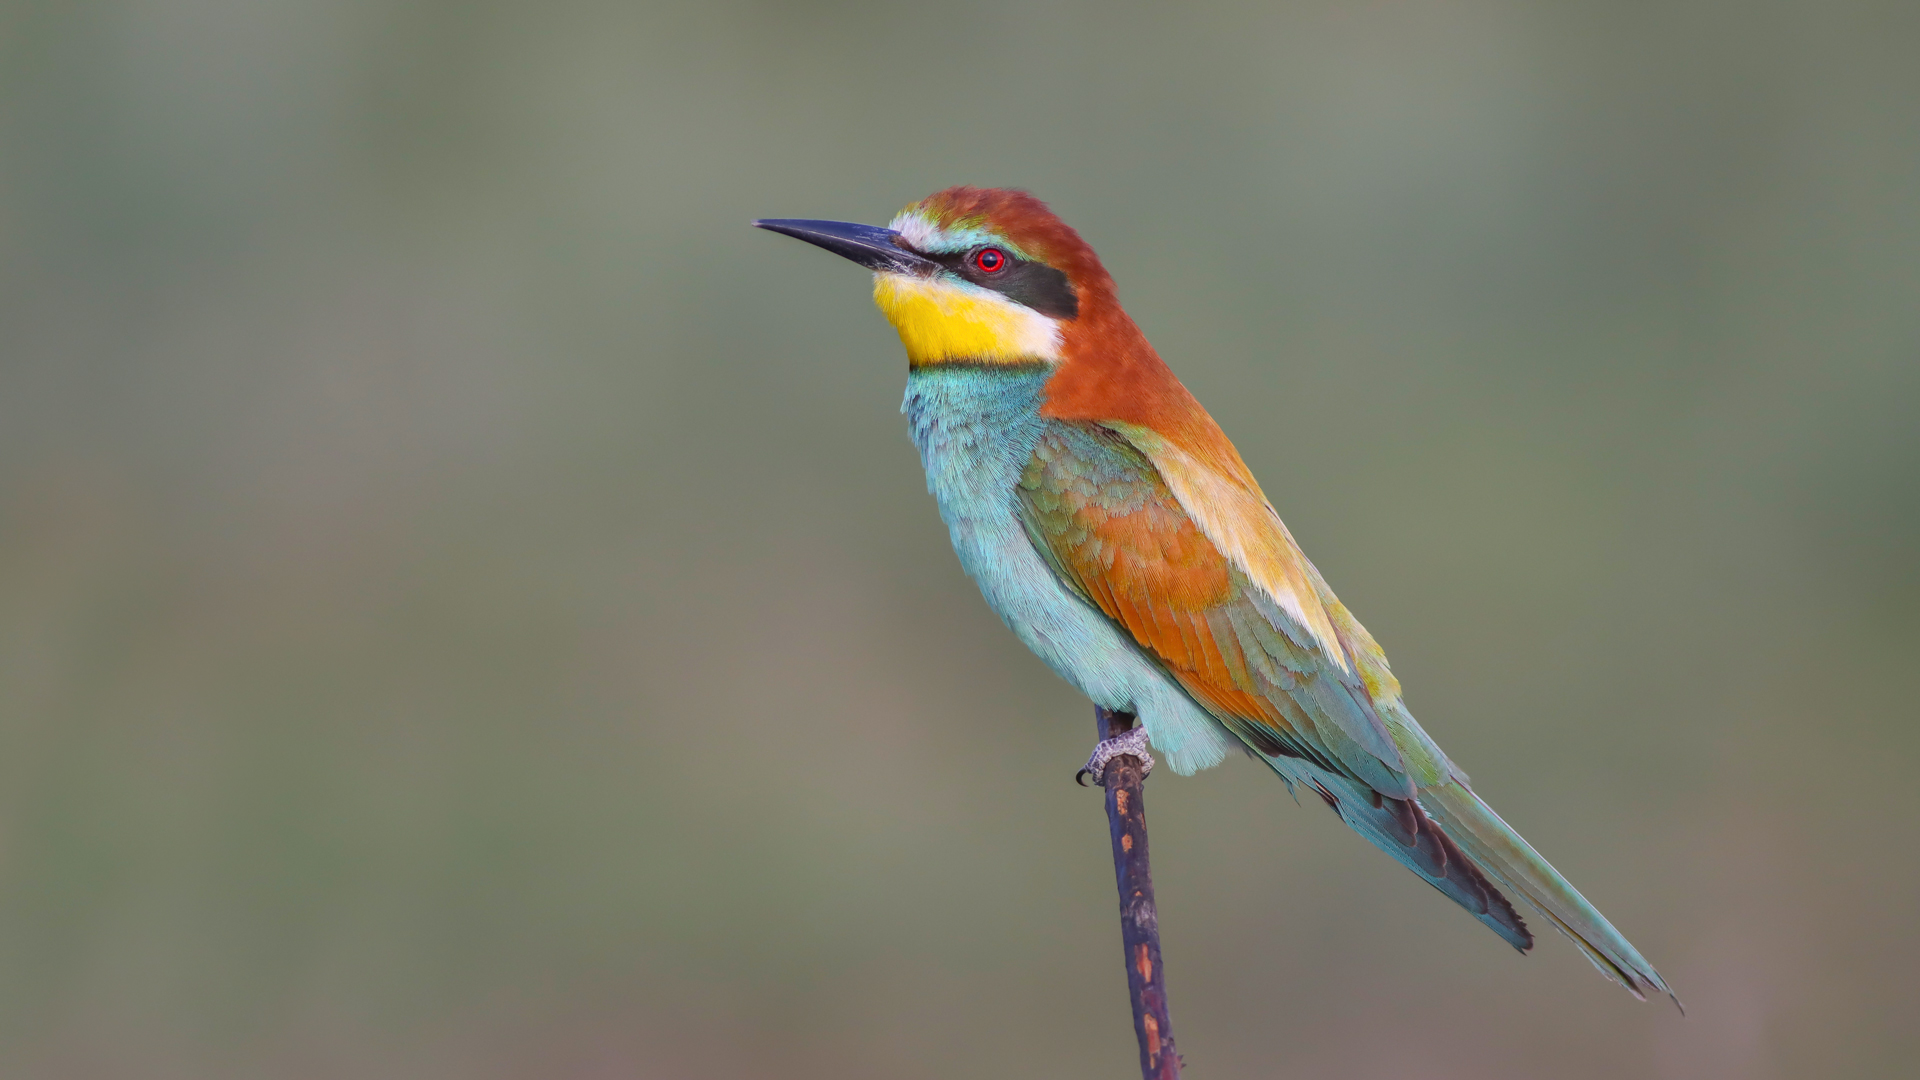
990, 260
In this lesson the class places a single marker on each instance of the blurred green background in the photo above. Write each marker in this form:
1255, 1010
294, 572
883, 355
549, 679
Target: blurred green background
469, 607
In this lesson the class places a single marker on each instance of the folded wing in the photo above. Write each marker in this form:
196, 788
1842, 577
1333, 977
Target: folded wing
1199, 570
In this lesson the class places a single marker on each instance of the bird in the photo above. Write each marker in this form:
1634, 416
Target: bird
1114, 528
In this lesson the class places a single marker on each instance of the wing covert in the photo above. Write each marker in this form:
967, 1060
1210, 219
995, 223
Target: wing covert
1101, 512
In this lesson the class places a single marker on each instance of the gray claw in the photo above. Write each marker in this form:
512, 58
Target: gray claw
1133, 741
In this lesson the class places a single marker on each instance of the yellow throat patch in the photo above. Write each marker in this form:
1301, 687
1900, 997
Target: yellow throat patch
943, 322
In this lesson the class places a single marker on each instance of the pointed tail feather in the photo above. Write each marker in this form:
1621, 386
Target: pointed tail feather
1399, 828
1510, 860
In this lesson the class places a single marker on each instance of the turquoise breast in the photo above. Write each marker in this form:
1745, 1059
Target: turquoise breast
976, 427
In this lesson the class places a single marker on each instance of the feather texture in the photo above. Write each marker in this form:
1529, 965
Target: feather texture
1115, 529
1099, 508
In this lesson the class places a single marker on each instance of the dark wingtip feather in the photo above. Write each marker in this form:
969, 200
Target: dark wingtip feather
1431, 853
1458, 868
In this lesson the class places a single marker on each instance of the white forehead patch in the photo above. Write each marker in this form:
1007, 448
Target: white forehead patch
925, 234
920, 232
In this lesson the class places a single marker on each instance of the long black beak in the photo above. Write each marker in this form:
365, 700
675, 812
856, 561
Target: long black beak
869, 245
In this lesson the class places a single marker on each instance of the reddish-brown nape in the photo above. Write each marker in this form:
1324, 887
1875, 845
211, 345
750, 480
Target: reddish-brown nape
1108, 372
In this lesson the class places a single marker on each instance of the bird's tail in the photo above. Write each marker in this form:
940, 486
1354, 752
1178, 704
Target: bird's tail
1504, 856
1400, 828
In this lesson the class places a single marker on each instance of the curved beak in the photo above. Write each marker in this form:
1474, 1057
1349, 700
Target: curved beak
875, 248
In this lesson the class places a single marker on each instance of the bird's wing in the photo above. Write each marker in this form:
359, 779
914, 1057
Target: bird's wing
1110, 523
1198, 569
1209, 582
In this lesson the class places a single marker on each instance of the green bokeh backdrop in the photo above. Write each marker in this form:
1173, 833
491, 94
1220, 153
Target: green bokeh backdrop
469, 608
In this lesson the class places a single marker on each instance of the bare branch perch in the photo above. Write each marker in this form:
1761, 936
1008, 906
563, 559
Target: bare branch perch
1139, 921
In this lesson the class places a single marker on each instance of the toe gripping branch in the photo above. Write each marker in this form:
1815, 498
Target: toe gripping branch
1131, 741
1119, 764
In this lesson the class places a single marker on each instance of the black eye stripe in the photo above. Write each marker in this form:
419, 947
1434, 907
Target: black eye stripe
1033, 284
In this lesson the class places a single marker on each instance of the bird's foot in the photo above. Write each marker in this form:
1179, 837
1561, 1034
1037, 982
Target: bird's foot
1132, 741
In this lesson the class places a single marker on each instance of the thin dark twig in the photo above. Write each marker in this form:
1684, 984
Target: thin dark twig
1139, 921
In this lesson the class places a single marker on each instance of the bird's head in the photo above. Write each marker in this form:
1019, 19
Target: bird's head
973, 275
989, 276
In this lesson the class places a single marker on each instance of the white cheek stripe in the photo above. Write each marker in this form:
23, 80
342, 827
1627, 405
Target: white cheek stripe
943, 319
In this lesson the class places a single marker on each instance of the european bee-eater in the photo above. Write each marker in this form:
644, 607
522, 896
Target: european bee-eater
1113, 527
